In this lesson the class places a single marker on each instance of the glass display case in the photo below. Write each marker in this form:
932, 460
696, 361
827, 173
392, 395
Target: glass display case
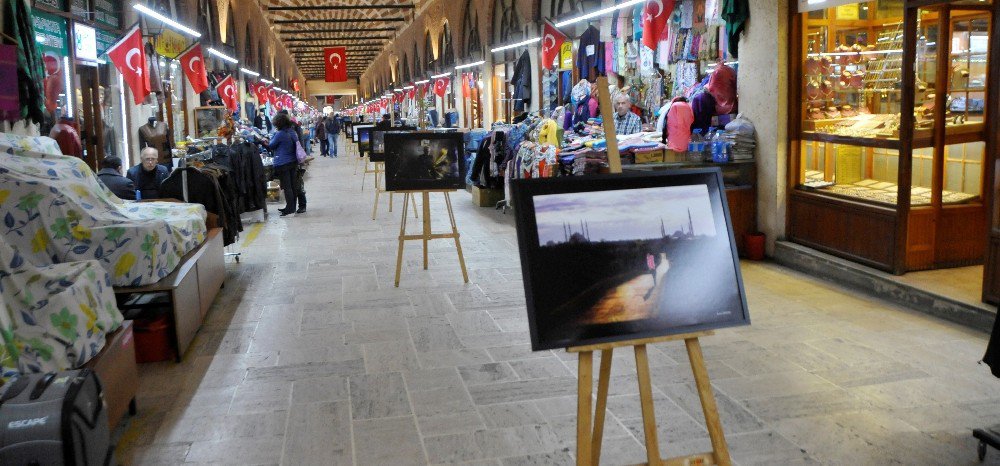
891, 128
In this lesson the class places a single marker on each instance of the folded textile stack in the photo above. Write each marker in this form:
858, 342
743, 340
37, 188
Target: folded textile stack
741, 137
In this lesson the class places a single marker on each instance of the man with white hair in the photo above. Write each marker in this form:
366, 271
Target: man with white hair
626, 122
148, 176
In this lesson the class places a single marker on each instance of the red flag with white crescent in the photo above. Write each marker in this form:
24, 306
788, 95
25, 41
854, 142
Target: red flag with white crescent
335, 59
272, 96
193, 62
654, 18
552, 40
261, 93
129, 56
287, 101
227, 92
441, 86
412, 92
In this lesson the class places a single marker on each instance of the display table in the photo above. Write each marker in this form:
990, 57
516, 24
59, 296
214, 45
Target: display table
191, 288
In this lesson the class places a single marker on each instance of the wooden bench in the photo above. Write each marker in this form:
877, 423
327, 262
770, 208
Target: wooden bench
190, 288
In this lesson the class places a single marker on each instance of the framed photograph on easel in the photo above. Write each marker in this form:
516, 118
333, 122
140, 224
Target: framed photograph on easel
624, 257
424, 161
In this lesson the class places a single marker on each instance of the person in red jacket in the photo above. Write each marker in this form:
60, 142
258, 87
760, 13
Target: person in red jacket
66, 135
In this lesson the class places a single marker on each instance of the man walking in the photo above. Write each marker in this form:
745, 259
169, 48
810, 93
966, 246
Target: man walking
332, 131
324, 145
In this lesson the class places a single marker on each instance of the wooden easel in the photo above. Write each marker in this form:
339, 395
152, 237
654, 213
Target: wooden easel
427, 235
379, 189
368, 169
590, 434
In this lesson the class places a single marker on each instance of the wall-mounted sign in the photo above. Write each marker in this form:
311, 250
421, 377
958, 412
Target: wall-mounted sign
104, 42
50, 33
169, 44
107, 12
85, 42
566, 56
79, 8
57, 4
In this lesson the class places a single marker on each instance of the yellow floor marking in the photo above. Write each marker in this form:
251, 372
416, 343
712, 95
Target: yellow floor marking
254, 233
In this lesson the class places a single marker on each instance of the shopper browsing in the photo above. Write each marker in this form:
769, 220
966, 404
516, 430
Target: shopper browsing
332, 131
324, 146
149, 175
111, 176
283, 148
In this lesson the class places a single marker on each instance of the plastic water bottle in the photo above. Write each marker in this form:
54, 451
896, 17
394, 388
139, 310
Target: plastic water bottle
706, 153
696, 147
720, 153
138, 195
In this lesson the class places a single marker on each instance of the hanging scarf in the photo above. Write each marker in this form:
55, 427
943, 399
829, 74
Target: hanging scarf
17, 23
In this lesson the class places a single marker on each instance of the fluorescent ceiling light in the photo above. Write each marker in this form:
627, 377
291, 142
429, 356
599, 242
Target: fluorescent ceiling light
442, 75
519, 44
597, 13
423, 82
222, 56
469, 65
251, 73
397, 90
169, 22
407, 87
268, 81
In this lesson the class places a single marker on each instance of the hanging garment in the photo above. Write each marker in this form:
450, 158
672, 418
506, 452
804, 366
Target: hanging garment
18, 24
590, 56
155, 136
735, 13
521, 80
548, 132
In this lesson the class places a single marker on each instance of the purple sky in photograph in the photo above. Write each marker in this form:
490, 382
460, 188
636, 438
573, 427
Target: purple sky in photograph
626, 214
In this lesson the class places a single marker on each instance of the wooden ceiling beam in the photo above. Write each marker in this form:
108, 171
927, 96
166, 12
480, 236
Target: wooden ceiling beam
336, 39
384, 6
337, 20
327, 31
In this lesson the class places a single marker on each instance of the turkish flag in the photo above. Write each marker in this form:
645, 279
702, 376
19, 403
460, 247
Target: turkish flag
441, 86
129, 56
272, 96
330, 100
227, 92
261, 93
412, 93
552, 41
295, 85
335, 59
287, 101
193, 63
654, 19
427, 88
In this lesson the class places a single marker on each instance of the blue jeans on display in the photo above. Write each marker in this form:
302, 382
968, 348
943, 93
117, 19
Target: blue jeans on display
331, 139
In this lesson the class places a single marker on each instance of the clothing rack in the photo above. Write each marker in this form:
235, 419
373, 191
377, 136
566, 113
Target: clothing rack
201, 157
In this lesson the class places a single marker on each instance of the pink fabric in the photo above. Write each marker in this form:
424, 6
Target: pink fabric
593, 106
679, 120
10, 101
722, 86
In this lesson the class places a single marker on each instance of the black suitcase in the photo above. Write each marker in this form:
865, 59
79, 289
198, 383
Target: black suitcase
54, 419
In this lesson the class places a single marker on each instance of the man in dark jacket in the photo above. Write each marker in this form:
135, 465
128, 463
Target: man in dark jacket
111, 176
324, 146
149, 175
332, 131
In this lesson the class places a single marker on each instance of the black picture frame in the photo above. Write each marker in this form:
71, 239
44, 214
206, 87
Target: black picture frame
363, 135
377, 153
357, 129
584, 288
409, 166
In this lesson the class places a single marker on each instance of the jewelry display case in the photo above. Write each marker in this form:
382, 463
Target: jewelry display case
884, 172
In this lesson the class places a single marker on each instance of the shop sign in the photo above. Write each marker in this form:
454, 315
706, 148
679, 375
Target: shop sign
170, 44
849, 12
107, 12
104, 42
85, 42
57, 4
566, 56
79, 8
51, 33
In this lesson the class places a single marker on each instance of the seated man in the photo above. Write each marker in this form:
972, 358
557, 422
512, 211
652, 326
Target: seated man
111, 176
149, 175
626, 122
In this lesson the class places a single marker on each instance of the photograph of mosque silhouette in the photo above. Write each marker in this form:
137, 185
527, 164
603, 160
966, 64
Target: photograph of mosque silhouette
629, 263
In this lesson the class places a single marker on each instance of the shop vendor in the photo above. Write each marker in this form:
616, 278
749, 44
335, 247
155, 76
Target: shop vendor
626, 122
149, 175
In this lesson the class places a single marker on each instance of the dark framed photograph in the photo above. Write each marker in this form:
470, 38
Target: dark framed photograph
357, 131
423, 160
620, 257
364, 138
378, 142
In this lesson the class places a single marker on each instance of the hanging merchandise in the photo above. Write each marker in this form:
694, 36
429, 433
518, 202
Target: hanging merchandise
521, 80
736, 13
193, 62
128, 55
590, 56
17, 24
552, 43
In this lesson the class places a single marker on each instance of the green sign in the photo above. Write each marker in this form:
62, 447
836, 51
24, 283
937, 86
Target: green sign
107, 12
57, 4
51, 33
104, 42
79, 8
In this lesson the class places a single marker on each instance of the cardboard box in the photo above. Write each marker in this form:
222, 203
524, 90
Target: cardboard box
649, 157
486, 197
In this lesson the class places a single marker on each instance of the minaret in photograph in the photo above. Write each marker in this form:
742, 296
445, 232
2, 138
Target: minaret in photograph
690, 224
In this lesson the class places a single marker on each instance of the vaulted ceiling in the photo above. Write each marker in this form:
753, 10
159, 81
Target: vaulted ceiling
363, 26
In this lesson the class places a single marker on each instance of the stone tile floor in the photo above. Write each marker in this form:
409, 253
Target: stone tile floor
311, 356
